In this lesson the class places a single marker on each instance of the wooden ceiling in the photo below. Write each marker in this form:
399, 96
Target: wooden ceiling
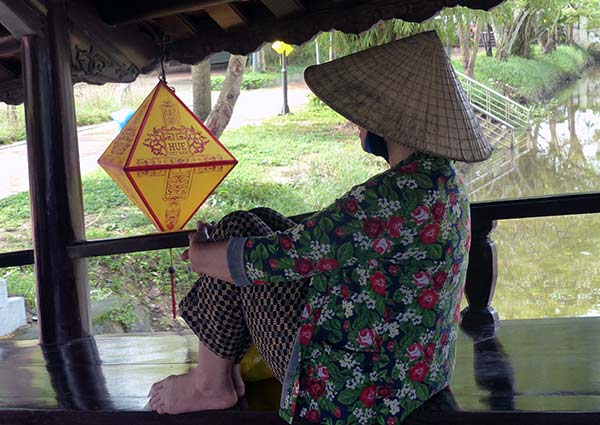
116, 40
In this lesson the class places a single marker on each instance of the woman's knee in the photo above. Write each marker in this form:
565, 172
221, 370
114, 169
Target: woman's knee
239, 223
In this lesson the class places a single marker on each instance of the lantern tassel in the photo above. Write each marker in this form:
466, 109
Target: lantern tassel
172, 274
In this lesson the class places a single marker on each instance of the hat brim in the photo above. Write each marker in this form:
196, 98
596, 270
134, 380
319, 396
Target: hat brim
407, 92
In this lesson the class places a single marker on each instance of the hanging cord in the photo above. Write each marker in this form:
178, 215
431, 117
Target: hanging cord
163, 58
172, 274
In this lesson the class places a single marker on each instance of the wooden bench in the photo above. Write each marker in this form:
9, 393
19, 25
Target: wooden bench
524, 373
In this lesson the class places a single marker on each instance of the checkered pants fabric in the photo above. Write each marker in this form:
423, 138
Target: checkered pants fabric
228, 318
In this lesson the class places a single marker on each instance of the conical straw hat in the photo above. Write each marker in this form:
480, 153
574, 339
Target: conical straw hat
406, 92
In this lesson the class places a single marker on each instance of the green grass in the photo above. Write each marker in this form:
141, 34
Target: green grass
283, 164
531, 80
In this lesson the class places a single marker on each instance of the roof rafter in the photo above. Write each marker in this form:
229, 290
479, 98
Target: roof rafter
20, 18
227, 16
284, 8
117, 12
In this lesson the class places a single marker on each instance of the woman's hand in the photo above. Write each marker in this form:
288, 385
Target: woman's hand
205, 256
200, 236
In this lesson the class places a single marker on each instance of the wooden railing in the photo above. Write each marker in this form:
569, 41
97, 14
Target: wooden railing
482, 271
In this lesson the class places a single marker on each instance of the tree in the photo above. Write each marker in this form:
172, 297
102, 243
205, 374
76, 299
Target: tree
201, 89
221, 113
468, 28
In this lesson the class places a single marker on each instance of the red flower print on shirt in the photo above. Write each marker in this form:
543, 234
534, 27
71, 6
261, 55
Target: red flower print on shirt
337, 412
439, 279
351, 205
316, 388
286, 243
367, 396
327, 264
421, 214
429, 351
323, 373
438, 212
381, 246
385, 392
428, 298
419, 371
273, 263
378, 283
304, 266
453, 198
306, 333
430, 233
444, 339
366, 337
409, 168
373, 227
414, 351
345, 292
394, 226
421, 279
313, 416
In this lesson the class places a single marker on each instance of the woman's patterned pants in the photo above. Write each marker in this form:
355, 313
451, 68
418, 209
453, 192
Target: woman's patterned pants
228, 318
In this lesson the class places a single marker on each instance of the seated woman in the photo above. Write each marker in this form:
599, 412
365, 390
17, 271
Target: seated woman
354, 309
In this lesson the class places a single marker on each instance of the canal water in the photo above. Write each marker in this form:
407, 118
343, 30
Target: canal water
549, 267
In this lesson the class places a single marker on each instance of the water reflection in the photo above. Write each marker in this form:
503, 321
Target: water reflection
548, 266
562, 155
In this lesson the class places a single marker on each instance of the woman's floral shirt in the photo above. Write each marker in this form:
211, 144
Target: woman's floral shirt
388, 262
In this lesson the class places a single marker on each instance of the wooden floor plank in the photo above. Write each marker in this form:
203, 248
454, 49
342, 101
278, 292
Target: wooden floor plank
530, 372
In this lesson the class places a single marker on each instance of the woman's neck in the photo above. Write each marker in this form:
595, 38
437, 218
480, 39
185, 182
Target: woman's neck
398, 153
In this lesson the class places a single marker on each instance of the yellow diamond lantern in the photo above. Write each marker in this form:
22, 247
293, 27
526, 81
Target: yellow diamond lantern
166, 161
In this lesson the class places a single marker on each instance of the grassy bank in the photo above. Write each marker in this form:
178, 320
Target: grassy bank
282, 164
531, 80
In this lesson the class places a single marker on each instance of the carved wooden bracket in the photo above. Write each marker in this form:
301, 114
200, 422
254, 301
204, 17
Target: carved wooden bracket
92, 66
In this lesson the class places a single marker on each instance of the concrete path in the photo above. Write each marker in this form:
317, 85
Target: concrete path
252, 107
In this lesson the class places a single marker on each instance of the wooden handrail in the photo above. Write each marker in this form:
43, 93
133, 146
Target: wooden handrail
544, 206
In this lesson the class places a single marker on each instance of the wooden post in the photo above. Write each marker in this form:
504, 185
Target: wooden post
55, 181
481, 276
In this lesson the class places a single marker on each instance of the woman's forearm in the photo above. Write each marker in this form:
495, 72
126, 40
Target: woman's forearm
210, 258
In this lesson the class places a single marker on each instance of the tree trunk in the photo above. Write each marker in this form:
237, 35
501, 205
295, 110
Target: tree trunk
506, 35
13, 119
522, 44
221, 113
488, 40
201, 89
469, 43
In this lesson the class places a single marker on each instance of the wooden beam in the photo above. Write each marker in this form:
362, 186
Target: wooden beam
9, 46
284, 8
118, 12
227, 16
20, 18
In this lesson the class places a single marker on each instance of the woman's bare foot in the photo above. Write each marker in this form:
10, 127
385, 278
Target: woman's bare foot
238, 382
192, 392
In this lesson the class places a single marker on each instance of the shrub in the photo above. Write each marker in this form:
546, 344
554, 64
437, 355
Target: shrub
251, 80
531, 80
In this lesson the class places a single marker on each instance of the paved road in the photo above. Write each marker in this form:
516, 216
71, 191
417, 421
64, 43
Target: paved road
252, 107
